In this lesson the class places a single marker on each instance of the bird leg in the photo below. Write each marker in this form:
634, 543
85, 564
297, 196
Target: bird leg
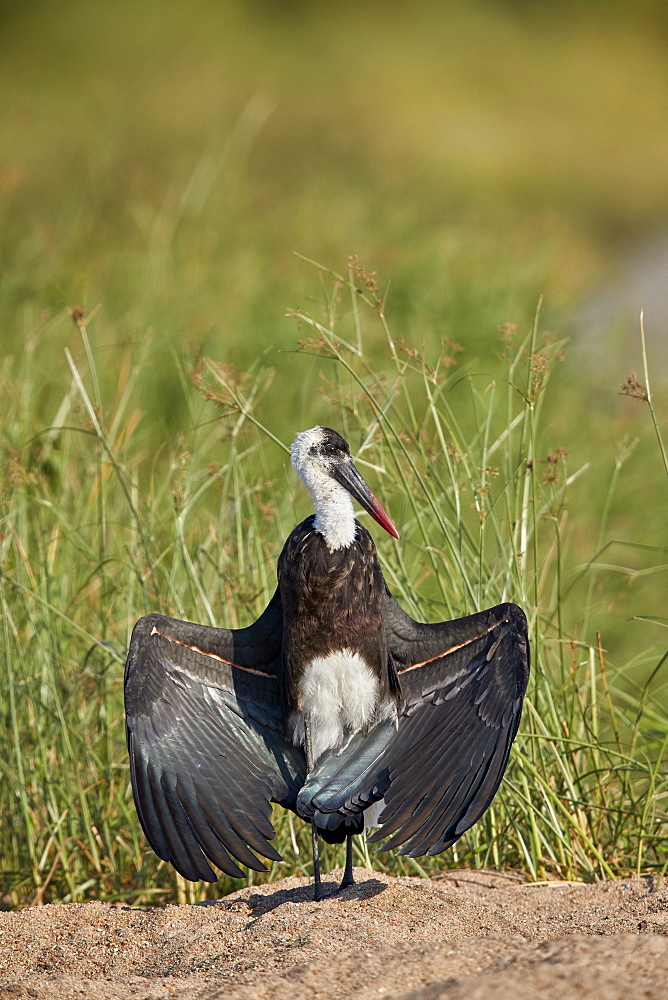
348, 878
308, 747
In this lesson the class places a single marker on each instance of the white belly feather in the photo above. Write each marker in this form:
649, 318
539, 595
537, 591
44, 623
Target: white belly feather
339, 694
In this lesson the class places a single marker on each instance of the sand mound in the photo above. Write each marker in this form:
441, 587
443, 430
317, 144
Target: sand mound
470, 935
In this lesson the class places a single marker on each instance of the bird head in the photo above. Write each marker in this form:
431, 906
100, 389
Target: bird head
321, 458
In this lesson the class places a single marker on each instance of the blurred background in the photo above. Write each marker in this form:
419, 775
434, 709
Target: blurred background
165, 160
165, 168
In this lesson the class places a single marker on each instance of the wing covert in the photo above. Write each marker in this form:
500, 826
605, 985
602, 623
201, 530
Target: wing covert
205, 740
463, 683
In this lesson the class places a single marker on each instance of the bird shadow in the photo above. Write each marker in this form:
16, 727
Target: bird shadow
261, 903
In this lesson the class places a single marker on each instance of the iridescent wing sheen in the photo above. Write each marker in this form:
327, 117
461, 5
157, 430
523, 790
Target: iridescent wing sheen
205, 739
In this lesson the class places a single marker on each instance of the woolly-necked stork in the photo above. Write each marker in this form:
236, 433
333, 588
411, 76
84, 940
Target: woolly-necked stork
334, 703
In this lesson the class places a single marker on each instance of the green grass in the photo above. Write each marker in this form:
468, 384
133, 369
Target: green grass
163, 162
99, 526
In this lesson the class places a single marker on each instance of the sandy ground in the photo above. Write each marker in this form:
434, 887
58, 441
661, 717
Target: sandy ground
468, 936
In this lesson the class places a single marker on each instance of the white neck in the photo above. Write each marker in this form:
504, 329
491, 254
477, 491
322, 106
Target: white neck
333, 504
334, 514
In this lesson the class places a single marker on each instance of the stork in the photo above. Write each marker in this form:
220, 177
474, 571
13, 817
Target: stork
334, 703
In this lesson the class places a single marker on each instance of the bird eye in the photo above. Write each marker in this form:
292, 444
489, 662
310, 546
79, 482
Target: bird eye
330, 449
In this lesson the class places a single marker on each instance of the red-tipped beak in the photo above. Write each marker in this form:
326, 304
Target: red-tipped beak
349, 477
379, 514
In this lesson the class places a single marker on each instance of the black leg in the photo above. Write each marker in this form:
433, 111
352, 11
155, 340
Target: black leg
348, 878
317, 880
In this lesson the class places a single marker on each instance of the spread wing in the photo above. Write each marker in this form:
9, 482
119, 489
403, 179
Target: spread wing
462, 683
206, 743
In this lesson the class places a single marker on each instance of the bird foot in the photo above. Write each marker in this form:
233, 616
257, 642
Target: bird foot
320, 894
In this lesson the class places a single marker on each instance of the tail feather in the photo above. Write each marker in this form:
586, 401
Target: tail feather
345, 782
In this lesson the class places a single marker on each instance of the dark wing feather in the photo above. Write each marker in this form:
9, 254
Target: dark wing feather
205, 738
462, 684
